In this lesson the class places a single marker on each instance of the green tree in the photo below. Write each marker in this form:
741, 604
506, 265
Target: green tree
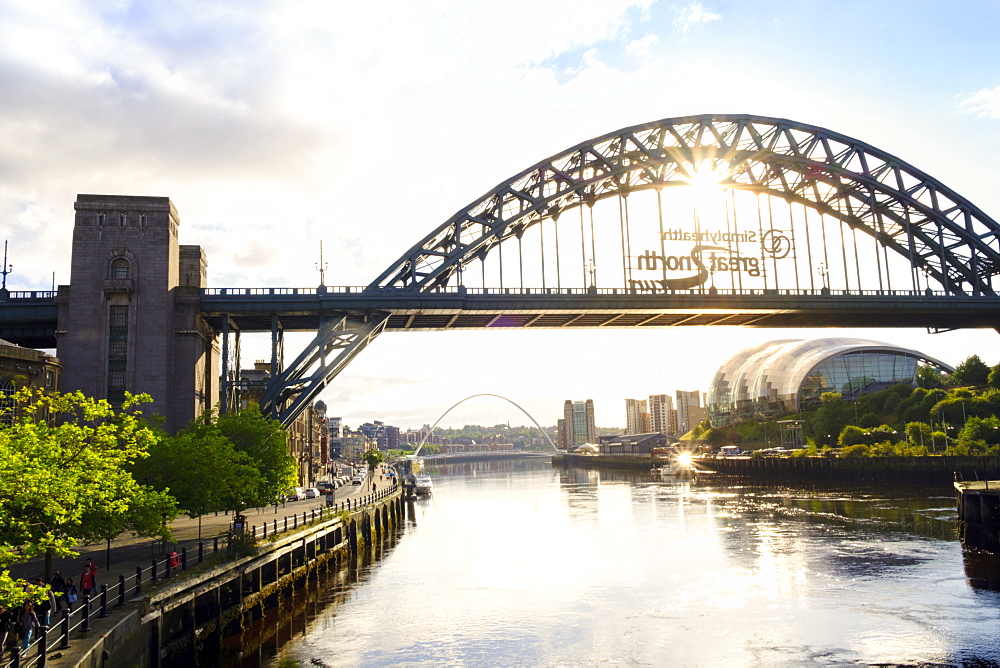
918, 433
929, 377
373, 458
66, 478
830, 418
869, 421
993, 379
202, 469
973, 371
265, 442
851, 435
980, 430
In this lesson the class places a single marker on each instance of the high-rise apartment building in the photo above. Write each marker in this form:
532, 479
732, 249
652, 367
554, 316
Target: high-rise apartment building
578, 425
636, 416
686, 417
661, 409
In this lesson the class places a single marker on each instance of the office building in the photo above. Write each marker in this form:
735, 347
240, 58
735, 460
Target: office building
577, 426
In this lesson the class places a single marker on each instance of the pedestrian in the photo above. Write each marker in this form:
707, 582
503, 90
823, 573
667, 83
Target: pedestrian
58, 585
6, 624
88, 580
27, 625
44, 609
72, 594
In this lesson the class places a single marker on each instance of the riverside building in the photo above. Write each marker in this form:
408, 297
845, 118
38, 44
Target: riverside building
577, 425
780, 377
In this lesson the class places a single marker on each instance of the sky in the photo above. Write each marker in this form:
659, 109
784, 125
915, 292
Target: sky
274, 126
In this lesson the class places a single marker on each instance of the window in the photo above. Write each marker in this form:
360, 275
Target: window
117, 352
120, 268
7, 390
122, 220
142, 220
100, 219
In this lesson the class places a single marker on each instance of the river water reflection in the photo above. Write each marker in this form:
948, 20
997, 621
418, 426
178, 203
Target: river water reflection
519, 563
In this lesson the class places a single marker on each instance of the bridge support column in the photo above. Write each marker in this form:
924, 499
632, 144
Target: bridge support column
224, 390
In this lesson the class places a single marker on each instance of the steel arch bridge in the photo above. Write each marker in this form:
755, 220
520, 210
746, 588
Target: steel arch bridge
904, 209
931, 257
698, 220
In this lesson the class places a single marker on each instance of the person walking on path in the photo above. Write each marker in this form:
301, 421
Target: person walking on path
72, 594
27, 625
45, 608
58, 585
88, 580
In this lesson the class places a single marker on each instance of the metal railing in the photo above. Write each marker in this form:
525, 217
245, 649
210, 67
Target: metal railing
463, 291
47, 295
56, 637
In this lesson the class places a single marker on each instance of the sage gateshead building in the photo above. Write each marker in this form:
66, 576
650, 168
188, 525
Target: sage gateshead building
781, 377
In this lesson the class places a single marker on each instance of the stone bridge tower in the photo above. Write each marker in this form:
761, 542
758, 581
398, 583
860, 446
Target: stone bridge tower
130, 320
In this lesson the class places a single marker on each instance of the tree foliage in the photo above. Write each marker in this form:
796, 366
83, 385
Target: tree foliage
265, 442
830, 418
373, 458
973, 371
65, 476
203, 470
929, 377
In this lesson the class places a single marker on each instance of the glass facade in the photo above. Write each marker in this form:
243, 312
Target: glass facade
780, 377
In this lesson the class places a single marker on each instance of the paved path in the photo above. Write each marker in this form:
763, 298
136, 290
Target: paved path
128, 552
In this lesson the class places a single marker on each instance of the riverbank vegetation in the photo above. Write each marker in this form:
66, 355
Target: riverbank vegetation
76, 470
945, 415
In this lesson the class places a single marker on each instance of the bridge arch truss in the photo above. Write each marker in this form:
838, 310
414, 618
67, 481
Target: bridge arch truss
944, 241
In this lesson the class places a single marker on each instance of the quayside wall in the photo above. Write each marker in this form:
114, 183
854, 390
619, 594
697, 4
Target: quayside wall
191, 616
932, 470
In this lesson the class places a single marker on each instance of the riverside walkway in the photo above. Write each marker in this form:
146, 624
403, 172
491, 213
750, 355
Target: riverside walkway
133, 567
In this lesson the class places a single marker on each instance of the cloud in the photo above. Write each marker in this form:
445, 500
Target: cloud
985, 102
692, 16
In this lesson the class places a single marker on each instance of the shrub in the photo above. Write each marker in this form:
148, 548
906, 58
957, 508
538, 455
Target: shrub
857, 450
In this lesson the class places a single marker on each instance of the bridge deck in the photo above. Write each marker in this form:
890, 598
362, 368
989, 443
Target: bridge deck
251, 309
29, 319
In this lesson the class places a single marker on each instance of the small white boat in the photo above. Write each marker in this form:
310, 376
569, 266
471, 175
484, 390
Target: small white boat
675, 470
423, 484
681, 466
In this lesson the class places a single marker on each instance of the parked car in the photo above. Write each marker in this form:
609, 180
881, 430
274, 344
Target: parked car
295, 494
358, 480
325, 487
311, 493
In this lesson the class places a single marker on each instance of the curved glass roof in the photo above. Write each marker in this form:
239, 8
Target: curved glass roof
775, 376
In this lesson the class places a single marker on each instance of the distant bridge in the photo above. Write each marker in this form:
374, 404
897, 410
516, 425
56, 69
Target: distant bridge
701, 220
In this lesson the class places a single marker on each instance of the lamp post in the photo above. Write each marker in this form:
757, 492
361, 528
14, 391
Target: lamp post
823, 273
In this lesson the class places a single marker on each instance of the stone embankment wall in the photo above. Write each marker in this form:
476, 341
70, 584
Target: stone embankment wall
193, 615
817, 469
862, 469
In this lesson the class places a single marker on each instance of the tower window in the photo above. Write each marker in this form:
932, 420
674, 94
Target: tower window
100, 220
7, 390
120, 268
117, 352
142, 221
122, 220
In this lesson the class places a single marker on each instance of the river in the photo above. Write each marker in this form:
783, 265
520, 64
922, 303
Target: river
517, 563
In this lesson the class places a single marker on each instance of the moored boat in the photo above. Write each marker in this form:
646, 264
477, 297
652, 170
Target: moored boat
424, 485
